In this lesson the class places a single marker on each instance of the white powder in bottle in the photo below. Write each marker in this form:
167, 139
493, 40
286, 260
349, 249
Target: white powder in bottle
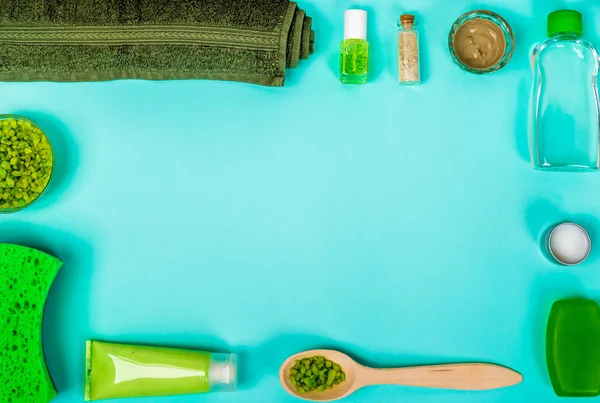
408, 51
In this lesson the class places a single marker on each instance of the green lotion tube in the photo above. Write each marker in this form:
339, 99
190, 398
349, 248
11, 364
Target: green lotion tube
121, 370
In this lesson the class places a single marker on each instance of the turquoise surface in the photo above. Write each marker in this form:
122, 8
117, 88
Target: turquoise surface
401, 225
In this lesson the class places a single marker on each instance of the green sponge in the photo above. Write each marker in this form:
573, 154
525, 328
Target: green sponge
26, 277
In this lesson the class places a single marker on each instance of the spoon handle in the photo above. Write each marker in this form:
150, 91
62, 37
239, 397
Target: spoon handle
451, 376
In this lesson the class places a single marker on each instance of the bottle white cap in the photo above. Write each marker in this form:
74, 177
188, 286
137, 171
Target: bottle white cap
355, 24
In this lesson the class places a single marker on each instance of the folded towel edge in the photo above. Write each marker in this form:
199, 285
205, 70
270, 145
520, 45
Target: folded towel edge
270, 81
286, 26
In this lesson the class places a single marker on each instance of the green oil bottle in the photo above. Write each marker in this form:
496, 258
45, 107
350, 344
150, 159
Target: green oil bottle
354, 55
573, 348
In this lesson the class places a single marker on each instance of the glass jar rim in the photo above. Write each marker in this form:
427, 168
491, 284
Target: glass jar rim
496, 19
6, 116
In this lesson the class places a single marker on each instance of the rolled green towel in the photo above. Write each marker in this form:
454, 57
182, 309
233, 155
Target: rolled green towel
92, 40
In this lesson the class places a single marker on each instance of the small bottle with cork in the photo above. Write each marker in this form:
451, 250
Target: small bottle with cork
408, 51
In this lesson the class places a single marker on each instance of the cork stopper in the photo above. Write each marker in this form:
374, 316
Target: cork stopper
407, 21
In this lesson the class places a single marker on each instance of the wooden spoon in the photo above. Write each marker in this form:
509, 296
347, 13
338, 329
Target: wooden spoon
452, 376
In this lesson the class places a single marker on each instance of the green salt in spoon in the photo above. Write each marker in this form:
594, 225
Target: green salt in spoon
26, 276
470, 376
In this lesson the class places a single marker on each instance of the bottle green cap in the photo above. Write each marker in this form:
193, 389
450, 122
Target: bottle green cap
564, 21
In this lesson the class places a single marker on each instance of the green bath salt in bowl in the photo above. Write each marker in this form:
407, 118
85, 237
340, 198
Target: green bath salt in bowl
26, 163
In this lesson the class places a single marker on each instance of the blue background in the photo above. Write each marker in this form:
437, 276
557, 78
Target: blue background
400, 225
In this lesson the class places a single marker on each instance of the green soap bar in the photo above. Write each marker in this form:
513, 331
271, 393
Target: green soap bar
27, 275
573, 347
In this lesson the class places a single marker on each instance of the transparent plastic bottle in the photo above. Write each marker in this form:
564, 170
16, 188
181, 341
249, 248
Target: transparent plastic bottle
354, 54
564, 113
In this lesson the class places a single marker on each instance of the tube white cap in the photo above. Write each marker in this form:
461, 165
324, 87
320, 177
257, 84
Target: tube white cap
222, 372
355, 24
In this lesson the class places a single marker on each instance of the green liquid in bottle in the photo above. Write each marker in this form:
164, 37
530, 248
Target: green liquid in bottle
354, 61
573, 347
